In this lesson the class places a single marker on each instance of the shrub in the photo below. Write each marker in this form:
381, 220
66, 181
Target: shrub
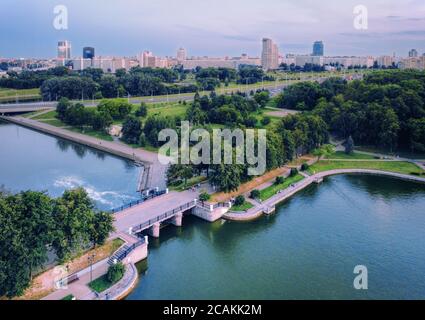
304, 167
265, 121
204, 197
294, 172
115, 272
142, 111
279, 180
240, 200
255, 194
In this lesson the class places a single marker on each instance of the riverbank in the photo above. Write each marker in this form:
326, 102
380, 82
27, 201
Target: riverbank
154, 173
269, 205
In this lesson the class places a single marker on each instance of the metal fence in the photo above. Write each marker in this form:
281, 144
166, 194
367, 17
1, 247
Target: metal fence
137, 202
122, 255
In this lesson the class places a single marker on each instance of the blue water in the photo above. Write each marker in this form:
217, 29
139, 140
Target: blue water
308, 250
33, 161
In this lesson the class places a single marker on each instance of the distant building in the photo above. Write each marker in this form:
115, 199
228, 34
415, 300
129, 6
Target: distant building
318, 49
417, 63
144, 58
181, 54
88, 53
413, 53
270, 55
385, 61
209, 62
301, 61
349, 61
64, 50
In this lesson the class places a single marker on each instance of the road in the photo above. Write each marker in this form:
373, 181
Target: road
274, 89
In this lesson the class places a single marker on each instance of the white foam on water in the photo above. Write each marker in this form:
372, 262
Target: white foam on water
109, 198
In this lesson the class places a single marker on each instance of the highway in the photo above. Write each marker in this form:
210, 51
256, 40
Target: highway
273, 88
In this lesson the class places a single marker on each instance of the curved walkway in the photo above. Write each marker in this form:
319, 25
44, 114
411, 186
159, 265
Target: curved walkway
257, 211
123, 287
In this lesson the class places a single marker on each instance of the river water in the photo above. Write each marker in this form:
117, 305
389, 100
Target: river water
307, 250
33, 161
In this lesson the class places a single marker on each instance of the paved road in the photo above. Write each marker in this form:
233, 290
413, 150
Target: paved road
273, 88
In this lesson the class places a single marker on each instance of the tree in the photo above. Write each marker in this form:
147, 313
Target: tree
142, 111
131, 130
240, 200
255, 194
73, 215
324, 151
101, 121
62, 108
26, 230
179, 172
101, 227
279, 180
227, 177
115, 272
349, 145
262, 98
204, 196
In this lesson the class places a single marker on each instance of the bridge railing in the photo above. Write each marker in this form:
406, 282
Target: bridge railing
163, 216
137, 202
126, 252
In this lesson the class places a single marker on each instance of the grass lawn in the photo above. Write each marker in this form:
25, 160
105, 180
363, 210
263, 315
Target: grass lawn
68, 297
5, 92
269, 192
391, 166
101, 284
92, 133
48, 115
354, 156
167, 109
244, 207
54, 122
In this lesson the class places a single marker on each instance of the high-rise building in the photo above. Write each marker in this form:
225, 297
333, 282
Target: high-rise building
64, 50
385, 61
88, 53
181, 54
270, 55
413, 53
318, 49
144, 58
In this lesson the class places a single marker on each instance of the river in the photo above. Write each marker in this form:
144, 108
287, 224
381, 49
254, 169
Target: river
33, 161
307, 250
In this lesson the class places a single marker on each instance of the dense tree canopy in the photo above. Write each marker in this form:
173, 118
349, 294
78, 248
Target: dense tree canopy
32, 222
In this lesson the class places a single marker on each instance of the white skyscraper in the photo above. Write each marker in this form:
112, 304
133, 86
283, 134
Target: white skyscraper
64, 50
181, 54
270, 55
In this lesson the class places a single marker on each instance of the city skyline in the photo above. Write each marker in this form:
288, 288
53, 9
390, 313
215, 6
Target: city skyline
217, 32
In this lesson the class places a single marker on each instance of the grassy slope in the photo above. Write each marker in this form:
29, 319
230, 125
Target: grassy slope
354, 156
269, 192
244, 207
392, 166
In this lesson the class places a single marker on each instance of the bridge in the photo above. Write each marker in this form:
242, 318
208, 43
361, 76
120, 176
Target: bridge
26, 107
168, 208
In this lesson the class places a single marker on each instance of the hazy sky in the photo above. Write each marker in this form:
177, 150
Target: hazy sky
211, 27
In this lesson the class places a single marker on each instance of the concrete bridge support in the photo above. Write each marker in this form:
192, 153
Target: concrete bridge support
177, 220
154, 230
